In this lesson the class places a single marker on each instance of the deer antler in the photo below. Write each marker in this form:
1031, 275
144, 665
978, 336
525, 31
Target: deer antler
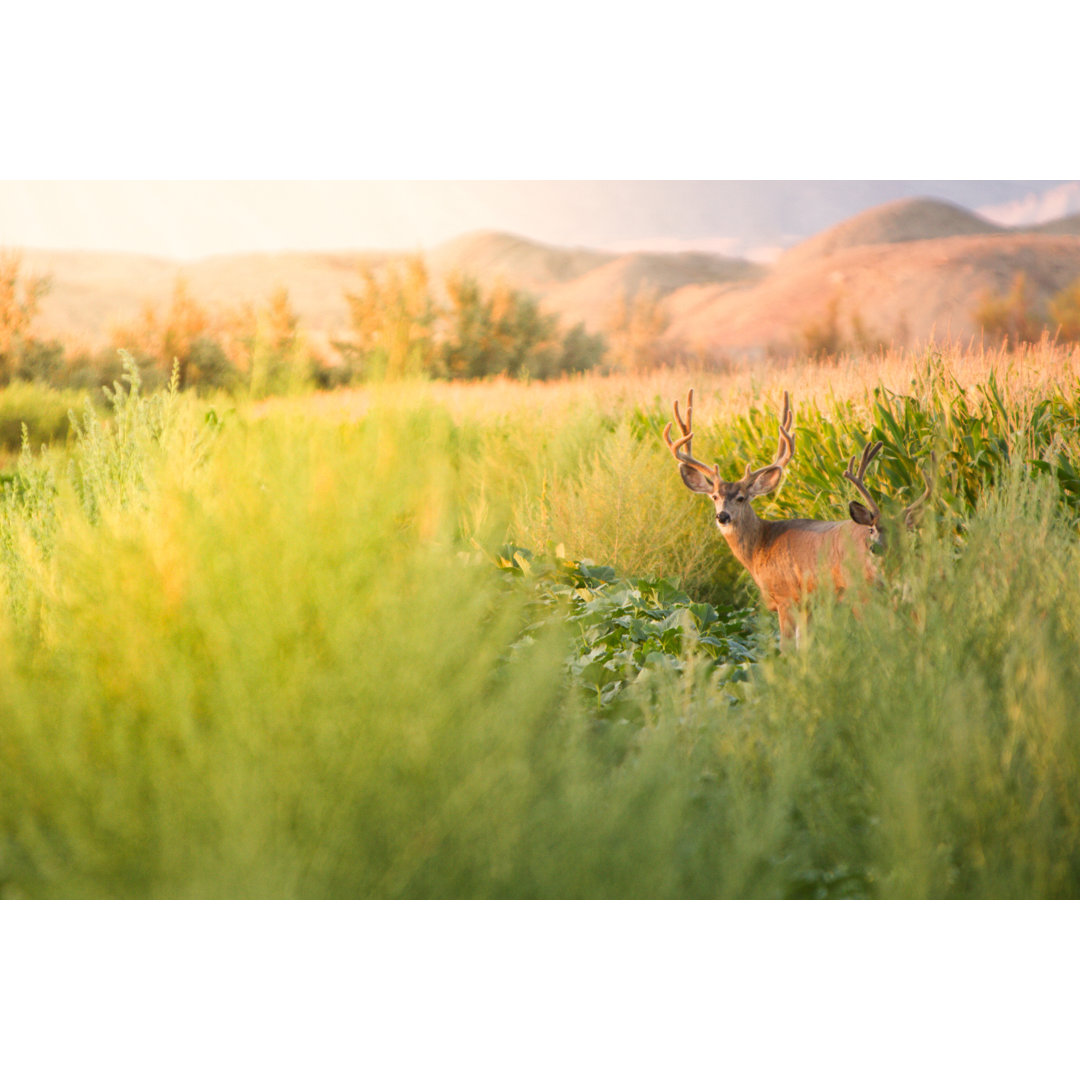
681, 447
785, 447
910, 517
870, 451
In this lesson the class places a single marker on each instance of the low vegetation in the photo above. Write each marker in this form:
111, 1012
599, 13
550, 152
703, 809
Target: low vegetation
837, 330
1017, 318
399, 328
262, 652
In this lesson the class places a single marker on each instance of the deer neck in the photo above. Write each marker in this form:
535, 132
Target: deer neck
746, 540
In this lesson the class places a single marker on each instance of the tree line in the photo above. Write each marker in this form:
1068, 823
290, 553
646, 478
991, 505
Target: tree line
398, 326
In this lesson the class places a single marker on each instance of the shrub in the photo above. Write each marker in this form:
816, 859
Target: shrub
1011, 318
391, 319
825, 337
399, 329
822, 337
1064, 310
21, 356
635, 332
43, 410
40, 361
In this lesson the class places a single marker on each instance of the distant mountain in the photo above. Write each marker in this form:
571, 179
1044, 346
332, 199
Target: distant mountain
903, 293
521, 263
92, 292
1066, 226
759, 215
909, 269
894, 223
591, 298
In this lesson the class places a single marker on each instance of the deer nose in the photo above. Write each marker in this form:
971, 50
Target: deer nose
723, 517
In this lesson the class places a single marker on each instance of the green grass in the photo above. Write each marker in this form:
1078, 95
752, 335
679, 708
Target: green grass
40, 410
296, 657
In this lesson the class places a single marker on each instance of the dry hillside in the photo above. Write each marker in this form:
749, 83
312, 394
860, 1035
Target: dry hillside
903, 293
91, 292
899, 222
591, 297
907, 269
521, 263
1068, 226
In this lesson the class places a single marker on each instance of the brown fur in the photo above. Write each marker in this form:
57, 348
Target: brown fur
785, 558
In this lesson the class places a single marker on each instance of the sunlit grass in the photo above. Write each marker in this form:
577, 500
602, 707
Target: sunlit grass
270, 652
1038, 369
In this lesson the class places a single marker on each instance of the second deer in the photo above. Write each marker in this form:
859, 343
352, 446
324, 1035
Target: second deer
783, 557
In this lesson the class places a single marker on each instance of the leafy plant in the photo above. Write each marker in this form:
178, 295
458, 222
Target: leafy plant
624, 629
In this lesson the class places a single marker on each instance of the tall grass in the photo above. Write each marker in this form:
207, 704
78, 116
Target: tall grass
273, 655
40, 411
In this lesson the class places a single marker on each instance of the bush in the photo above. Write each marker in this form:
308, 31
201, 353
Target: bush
825, 337
391, 319
43, 410
208, 367
20, 298
96, 372
39, 361
1065, 312
399, 329
1011, 318
503, 333
183, 336
635, 330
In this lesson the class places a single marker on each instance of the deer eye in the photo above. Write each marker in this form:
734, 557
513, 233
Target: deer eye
740, 498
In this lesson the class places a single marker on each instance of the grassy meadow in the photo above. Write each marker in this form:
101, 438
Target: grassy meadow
429, 639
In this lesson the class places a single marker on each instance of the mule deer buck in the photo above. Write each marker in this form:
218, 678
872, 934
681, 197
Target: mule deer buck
784, 557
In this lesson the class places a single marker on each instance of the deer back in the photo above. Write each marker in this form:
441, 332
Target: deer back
788, 557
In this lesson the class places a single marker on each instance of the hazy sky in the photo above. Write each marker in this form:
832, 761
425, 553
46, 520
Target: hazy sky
191, 218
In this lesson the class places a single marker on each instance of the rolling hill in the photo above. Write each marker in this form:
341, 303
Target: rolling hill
591, 297
92, 292
904, 293
910, 270
1067, 226
523, 264
900, 222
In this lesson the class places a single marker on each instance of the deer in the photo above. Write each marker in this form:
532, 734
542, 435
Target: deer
870, 516
785, 557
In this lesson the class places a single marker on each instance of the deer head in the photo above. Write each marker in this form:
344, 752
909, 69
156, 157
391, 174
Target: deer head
734, 513
870, 515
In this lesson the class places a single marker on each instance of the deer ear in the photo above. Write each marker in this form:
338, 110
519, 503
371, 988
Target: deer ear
859, 513
695, 481
765, 481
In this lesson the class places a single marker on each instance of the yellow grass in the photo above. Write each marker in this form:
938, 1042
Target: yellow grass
1039, 369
